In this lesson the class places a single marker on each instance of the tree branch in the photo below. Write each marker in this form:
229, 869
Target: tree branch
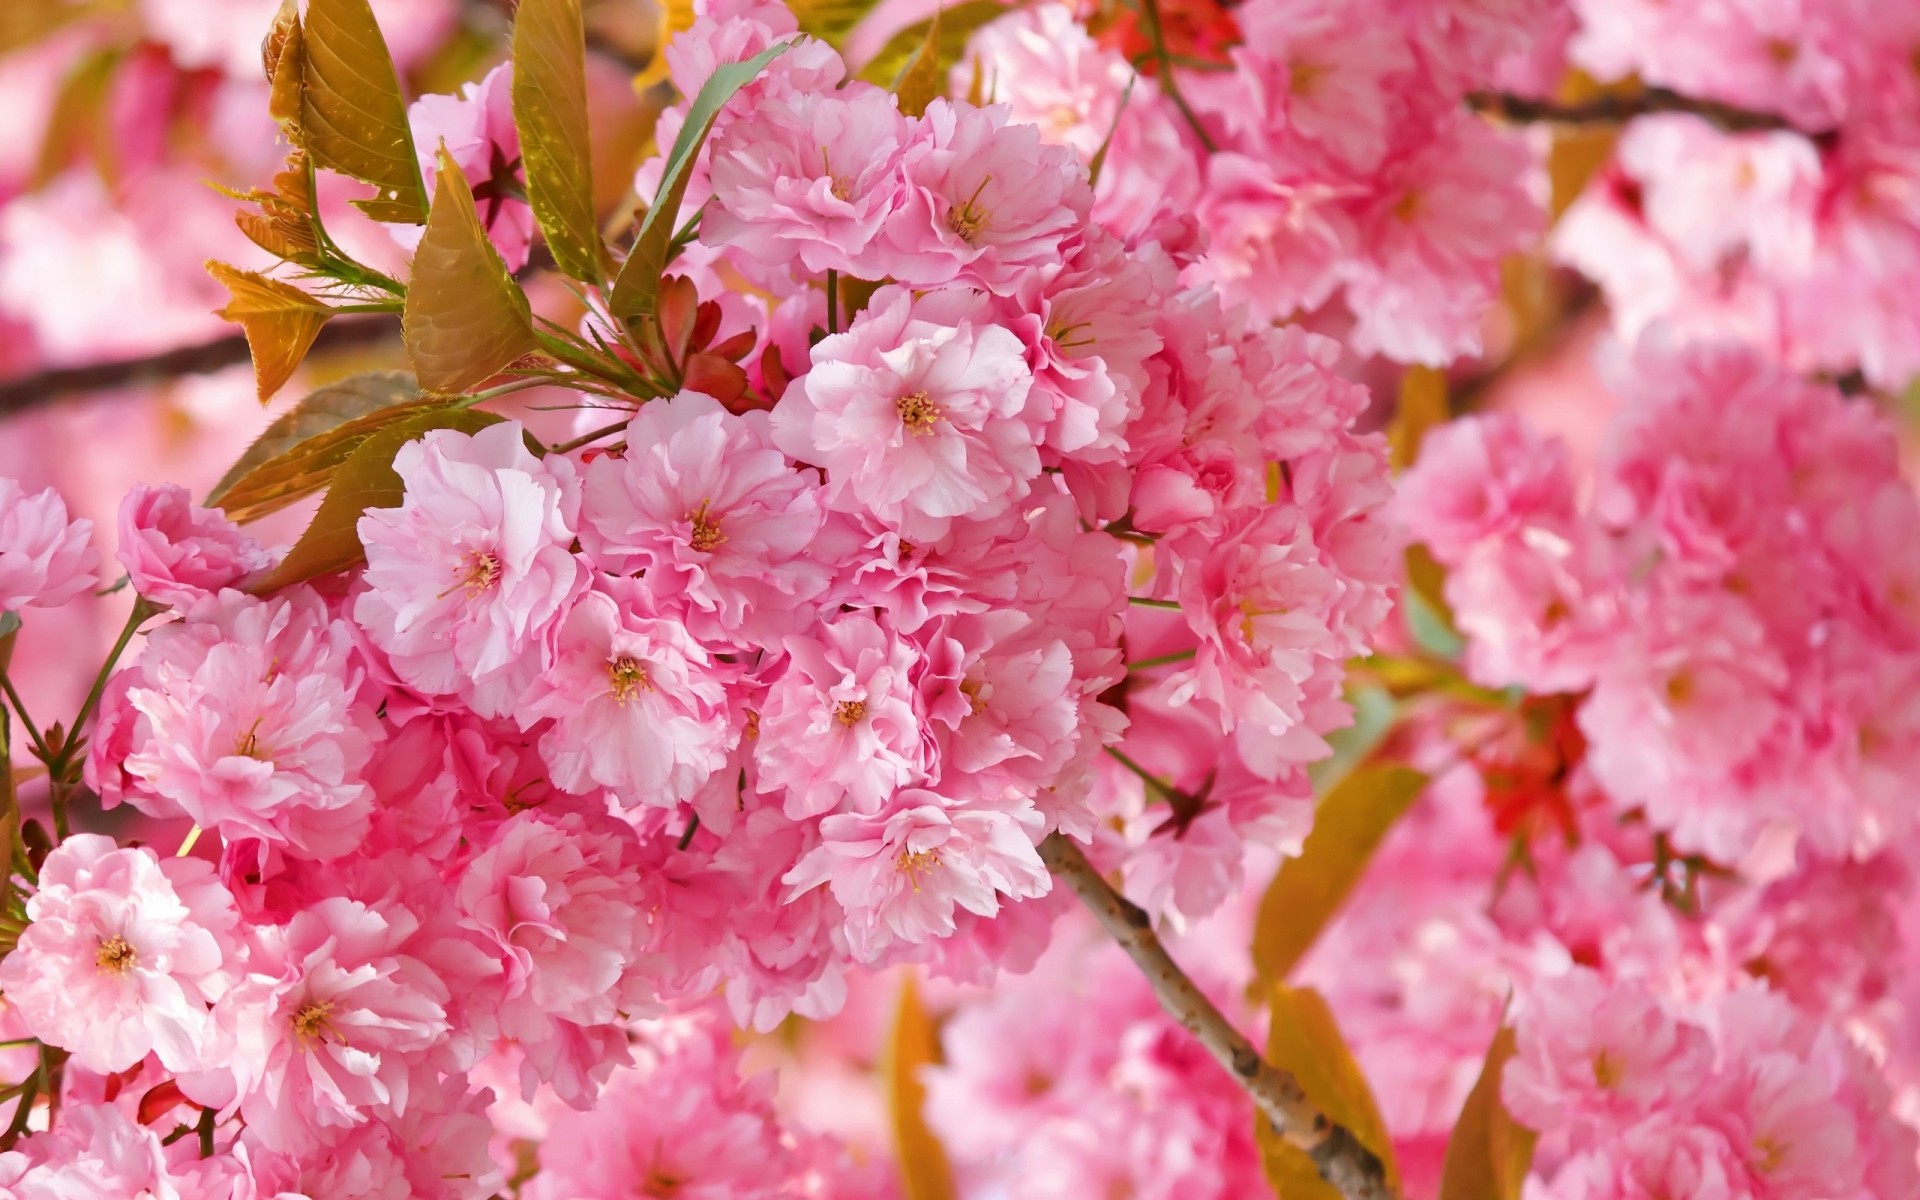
1352, 1170
31, 391
1616, 110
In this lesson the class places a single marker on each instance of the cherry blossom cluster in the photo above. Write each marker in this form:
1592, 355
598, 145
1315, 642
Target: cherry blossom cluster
1802, 240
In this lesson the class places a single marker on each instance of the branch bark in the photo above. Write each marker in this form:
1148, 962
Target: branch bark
1353, 1170
1617, 110
31, 391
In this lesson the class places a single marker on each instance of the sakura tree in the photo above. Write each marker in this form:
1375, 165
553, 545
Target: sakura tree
1013, 600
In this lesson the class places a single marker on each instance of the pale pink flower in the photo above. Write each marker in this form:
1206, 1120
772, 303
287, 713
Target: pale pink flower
45, 559
637, 706
476, 130
1483, 478
813, 177
98, 1151
900, 874
839, 726
986, 200
176, 552
1278, 241
327, 1025
468, 579
245, 717
123, 956
1001, 703
713, 514
915, 420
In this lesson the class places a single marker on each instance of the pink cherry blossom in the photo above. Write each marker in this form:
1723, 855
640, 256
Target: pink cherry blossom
476, 130
467, 581
915, 419
176, 552
45, 559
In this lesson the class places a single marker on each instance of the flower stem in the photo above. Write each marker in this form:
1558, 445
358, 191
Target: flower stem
1151, 9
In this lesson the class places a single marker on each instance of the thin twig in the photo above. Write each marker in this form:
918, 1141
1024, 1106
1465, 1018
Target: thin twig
1151, 9
1349, 1167
1617, 110
31, 391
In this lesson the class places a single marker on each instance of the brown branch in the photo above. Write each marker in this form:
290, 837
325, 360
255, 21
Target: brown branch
1349, 1167
31, 391
1617, 110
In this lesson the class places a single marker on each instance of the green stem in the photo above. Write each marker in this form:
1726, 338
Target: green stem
61, 775
833, 301
1160, 660
1152, 11
1151, 780
1143, 602
585, 438
26, 722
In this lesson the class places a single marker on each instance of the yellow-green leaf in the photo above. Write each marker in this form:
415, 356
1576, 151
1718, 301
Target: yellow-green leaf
1304, 1040
550, 109
957, 23
1489, 1152
831, 20
365, 480
1423, 405
352, 117
915, 1043
923, 80
284, 54
297, 454
1348, 826
279, 319
465, 319
637, 289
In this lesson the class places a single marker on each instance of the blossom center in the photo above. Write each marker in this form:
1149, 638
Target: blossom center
1606, 1072
626, 678
116, 956
247, 745
1306, 78
850, 712
917, 412
968, 219
705, 535
313, 1022
478, 571
972, 689
917, 865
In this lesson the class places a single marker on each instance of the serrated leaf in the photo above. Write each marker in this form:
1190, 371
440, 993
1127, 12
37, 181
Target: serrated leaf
279, 319
1305, 1041
283, 55
915, 1043
465, 318
957, 24
281, 222
922, 80
1348, 826
550, 109
637, 288
365, 480
1488, 1153
676, 17
1423, 405
307, 441
352, 117
831, 20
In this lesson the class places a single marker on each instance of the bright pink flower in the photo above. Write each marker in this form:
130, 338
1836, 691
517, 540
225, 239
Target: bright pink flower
468, 579
476, 130
123, 956
1001, 703
45, 560
1484, 478
1278, 242
327, 1026
706, 507
915, 420
986, 200
245, 716
813, 177
900, 874
176, 551
98, 1151
437, 1151
637, 706
839, 727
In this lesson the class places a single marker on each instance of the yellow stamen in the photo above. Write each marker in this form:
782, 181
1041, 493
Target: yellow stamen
917, 412
917, 864
116, 956
627, 676
313, 1022
477, 572
850, 712
706, 535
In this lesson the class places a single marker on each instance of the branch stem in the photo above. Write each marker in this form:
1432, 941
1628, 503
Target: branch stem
1349, 1167
1617, 110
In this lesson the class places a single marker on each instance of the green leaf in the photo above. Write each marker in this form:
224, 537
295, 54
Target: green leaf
915, 1043
1347, 828
299, 452
957, 24
352, 117
1489, 1152
923, 80
831, 20
365, 480
1304, 1040
465, 319
279, 319
1098, 162
1424, 606
550, 109
638, 287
